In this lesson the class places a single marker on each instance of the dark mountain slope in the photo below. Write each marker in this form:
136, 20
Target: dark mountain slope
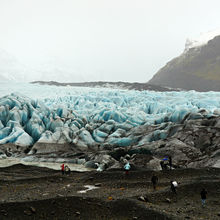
196, 69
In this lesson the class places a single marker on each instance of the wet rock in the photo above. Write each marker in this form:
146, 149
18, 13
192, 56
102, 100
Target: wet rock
91, 164
28, 212
91, 178
133, 156
105, 161
167, 200
53, 202
141, 198
4, 212
98, 184
127, 157
77, 213
115, 166
154, 164
44, 148
32, 209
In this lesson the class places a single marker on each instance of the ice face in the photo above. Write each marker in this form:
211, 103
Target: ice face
87, 117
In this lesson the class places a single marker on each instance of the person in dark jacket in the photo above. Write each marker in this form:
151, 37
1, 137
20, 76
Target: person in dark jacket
162, 164
67, 170
203, 194
170, 162
173, 186
154, 180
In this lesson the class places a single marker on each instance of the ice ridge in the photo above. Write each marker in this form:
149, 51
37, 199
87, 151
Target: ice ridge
96, 117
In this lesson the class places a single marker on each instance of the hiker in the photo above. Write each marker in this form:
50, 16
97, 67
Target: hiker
165, 165
173, 186
170, 162
127, 167
162, 164
62, 169
203, 194
154, 180
67, 170
166, 162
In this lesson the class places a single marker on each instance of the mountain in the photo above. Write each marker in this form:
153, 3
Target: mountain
11, 69
57, 70
197, 68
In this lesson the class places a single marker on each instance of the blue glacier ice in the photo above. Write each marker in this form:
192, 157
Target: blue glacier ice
31, 113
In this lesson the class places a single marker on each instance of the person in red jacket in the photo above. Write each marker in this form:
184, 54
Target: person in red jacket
62, 168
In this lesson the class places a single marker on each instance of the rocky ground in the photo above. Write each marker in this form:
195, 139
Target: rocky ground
29, 192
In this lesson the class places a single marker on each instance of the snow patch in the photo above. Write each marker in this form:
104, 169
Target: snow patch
201, 40
89, 187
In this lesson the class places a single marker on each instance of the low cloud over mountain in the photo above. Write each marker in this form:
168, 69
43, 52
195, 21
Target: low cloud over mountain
197, 68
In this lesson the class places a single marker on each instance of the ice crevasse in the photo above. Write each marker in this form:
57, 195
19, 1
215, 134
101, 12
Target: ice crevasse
97, 116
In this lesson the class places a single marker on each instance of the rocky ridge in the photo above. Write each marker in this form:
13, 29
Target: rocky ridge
116, 85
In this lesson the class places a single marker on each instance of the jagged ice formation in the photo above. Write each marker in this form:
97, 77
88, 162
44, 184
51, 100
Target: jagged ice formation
89, 117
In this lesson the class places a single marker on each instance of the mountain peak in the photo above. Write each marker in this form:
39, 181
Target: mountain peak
201, 40
198, 68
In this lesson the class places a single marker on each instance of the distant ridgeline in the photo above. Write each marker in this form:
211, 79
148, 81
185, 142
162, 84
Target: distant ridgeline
198, 68
117, 85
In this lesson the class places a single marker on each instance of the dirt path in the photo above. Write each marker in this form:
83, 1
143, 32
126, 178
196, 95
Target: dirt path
40, 193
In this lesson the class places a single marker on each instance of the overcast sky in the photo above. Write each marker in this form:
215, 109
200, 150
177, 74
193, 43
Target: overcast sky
111, 40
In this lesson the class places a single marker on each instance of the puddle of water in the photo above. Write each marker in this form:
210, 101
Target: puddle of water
89, 187
56, 166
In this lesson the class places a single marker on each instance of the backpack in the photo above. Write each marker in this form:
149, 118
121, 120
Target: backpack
67, 168
175, 184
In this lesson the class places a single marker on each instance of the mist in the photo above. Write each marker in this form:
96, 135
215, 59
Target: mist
99, 40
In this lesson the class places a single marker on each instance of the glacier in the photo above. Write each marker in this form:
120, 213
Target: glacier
95, 117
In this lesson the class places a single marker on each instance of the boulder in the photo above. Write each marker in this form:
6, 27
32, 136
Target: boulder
91, 164
44, 148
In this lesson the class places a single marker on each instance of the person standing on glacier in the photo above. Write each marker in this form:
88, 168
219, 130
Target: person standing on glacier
127, 167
